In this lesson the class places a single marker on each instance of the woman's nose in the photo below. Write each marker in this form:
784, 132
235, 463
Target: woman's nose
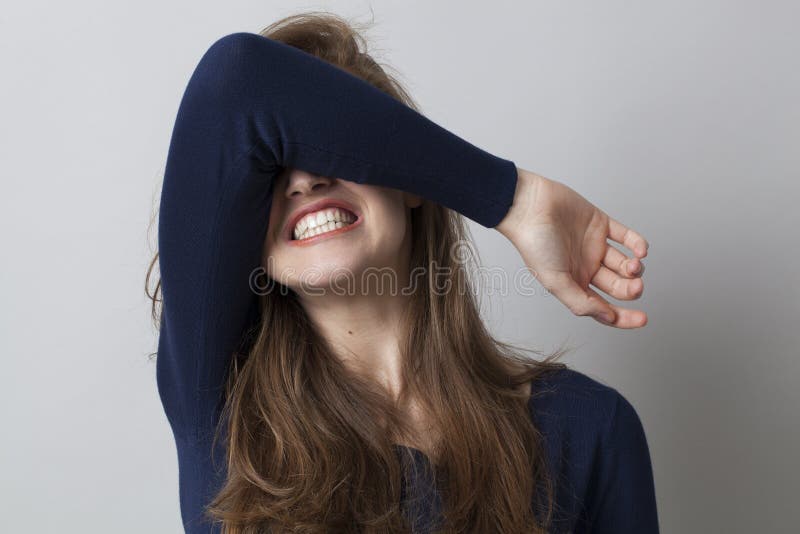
304, 183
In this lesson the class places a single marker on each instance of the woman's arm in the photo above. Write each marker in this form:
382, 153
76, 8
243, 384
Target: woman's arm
252, 107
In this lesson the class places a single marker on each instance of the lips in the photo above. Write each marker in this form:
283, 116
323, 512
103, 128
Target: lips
316, 206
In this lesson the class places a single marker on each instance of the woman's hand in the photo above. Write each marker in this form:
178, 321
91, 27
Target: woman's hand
562, 239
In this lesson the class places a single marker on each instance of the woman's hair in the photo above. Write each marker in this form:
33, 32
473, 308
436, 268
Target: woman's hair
311, 443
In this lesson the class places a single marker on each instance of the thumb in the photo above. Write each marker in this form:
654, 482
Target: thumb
580, 301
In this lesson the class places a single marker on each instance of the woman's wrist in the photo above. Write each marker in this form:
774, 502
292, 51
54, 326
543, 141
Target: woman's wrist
524, 201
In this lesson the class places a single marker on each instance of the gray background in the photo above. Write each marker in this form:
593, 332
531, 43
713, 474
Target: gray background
677, 118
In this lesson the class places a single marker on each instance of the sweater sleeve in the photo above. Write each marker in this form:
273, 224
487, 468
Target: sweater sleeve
253, 106
626, 501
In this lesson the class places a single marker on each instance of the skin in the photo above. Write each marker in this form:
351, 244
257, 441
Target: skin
361, 325
562, 238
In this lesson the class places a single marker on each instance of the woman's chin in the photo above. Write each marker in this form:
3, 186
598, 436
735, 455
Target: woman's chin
333, 275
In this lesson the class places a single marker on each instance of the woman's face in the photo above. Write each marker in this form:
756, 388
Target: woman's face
370, 229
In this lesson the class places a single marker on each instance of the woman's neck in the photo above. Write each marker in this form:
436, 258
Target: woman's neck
365, 331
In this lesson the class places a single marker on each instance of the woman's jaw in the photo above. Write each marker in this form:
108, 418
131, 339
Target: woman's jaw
323, 230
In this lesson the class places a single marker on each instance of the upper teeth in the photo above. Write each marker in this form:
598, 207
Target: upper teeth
322, 221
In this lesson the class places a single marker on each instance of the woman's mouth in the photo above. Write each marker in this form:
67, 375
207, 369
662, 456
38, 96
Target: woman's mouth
323, 223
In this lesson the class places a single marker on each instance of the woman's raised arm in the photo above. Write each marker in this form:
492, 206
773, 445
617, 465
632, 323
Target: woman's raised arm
252, 107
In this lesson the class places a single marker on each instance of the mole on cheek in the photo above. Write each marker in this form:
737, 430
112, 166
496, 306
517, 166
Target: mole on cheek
349, 332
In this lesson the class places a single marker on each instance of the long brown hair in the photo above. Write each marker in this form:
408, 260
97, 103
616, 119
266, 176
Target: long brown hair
311, 443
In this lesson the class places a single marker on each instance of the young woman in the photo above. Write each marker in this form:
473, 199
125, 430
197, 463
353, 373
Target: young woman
305, 397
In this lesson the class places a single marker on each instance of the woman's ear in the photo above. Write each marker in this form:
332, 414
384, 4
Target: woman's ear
411, 200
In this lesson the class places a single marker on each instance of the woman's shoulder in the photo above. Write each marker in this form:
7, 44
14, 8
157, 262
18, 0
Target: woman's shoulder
597, 452
569, 403
563, 383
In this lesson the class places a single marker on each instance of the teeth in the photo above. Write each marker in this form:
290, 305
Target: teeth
322, 221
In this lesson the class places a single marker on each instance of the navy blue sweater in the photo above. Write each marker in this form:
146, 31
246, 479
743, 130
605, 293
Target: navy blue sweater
254, 106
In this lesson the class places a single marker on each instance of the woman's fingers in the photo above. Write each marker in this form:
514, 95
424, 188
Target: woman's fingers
625, 318
578, 300
585, 302
615, 285
622, 264
627, 237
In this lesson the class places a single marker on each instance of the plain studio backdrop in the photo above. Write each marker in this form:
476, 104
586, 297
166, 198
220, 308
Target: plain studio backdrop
680, 119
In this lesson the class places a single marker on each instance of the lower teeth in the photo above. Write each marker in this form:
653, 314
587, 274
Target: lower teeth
307, 236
